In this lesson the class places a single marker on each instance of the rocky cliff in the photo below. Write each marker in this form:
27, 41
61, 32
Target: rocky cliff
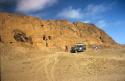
18, 29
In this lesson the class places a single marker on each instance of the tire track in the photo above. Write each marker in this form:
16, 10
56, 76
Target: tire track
56, 60
50, 64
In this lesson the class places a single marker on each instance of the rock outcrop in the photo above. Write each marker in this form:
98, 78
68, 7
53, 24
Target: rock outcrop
51, 33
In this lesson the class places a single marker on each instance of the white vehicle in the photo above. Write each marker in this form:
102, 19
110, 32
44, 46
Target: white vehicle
79, 47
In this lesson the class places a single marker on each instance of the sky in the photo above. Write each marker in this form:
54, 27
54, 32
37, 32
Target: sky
108, 15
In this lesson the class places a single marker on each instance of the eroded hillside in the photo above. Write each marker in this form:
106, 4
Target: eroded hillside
16, 29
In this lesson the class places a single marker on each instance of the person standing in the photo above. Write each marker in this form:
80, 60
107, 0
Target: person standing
66, 48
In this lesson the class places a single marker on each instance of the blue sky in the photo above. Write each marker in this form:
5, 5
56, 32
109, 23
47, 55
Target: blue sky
108, 15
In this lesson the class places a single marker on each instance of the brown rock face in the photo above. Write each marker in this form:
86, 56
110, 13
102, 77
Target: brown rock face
51, 33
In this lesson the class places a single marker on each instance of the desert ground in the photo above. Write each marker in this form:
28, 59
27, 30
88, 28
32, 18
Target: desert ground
49, 64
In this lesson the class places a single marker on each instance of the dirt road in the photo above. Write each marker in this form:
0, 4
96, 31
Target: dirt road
30, 65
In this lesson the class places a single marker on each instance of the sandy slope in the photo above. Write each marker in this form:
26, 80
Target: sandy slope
26, 64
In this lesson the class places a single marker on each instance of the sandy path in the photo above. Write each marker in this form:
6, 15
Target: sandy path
63, 67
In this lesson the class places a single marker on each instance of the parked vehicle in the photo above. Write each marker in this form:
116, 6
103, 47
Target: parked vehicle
79, 47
